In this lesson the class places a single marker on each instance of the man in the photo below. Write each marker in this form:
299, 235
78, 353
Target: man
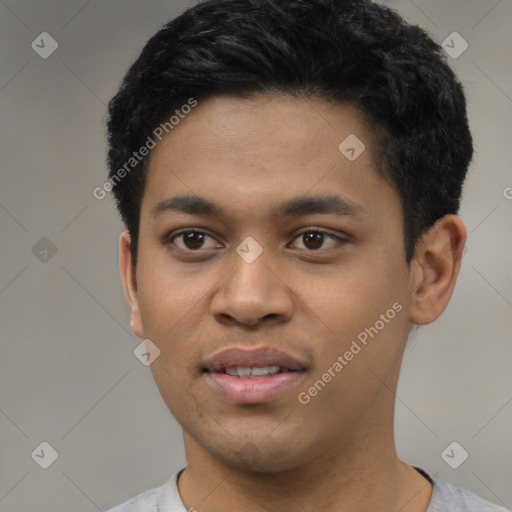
289, 181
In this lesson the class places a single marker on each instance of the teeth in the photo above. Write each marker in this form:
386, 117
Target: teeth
265, 370
243, 372
254, 372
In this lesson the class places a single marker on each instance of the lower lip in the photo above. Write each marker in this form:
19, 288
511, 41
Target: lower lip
254, 391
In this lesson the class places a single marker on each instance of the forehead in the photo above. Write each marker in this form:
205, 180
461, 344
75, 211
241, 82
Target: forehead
251, 154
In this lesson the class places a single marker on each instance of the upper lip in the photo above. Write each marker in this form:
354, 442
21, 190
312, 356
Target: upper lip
250, 358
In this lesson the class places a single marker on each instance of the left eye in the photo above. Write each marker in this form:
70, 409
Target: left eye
314, 239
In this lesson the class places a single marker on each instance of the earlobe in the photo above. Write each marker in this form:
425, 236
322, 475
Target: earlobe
435, 267
130, 283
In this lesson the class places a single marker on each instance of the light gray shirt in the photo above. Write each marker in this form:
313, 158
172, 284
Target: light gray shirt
445, 498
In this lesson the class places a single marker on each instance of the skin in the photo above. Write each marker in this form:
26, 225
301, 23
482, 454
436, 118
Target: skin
248, 156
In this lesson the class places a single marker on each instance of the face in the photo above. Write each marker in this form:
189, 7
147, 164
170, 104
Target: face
263, 246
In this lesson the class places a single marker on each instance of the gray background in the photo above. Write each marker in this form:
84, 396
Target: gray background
68, 375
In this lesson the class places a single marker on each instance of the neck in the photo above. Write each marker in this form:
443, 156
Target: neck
365, 473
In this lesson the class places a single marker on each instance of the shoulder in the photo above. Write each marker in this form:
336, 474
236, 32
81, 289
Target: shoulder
144, 502
448, 498
160, 499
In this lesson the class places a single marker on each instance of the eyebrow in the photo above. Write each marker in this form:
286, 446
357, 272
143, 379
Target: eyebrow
298, 206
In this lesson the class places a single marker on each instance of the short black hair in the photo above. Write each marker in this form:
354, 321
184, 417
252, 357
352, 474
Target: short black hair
350, 51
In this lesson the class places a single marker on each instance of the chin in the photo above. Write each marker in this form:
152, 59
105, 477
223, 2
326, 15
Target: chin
259, 456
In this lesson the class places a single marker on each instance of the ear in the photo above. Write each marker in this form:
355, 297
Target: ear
435, 267
130, 283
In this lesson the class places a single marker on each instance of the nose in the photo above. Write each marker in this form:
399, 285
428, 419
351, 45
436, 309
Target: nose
253, 293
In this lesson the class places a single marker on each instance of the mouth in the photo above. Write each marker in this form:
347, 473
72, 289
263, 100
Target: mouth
255, 372
244, 376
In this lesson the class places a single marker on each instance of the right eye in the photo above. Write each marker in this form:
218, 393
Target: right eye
192, 240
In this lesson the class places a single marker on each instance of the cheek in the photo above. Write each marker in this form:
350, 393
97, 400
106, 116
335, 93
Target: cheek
363, 302
360, 318
172, 305
352, 293
165, 294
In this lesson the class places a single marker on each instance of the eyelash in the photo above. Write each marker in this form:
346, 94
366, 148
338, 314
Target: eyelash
339, 240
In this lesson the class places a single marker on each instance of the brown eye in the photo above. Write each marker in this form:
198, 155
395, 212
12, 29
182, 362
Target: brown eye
193, 240
313, 240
